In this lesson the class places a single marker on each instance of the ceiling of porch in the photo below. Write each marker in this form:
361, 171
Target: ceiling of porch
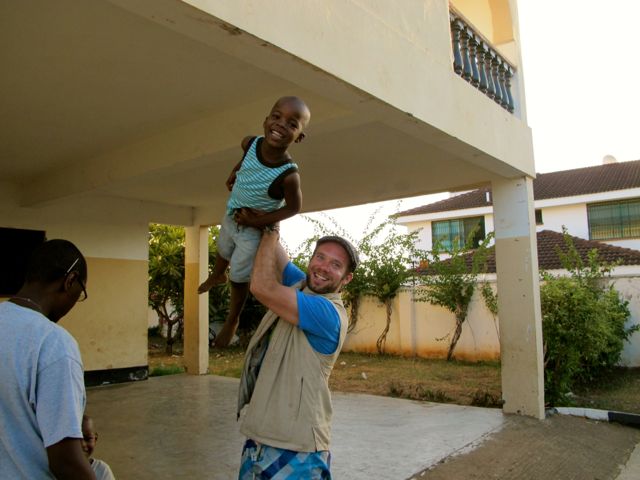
101, 100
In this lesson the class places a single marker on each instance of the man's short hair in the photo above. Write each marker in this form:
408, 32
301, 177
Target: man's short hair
52, 259
352, 253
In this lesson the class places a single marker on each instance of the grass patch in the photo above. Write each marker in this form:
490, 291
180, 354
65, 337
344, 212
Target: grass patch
417, 392
482, 398
160, 370
619, 390
227, 362
433, 380
430, 380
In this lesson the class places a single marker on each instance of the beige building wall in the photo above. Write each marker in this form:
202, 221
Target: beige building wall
111, 326
397, 55
424, 330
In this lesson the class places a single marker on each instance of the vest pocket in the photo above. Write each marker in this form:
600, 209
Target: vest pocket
300, 398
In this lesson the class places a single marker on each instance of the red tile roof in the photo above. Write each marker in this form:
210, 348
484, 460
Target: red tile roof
565, 183
549, 243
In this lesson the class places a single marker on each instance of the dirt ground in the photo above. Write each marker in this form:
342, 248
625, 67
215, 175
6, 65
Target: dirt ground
559, 447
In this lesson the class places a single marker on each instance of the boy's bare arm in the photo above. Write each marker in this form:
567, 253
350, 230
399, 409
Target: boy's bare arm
292, 197
245, 142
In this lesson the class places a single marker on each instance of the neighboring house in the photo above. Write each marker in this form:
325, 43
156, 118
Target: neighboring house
423, 329
599, 203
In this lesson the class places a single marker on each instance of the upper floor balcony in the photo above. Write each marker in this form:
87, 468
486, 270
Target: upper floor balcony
480, 63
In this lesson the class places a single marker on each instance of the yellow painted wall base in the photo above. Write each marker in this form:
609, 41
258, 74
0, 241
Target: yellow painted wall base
111, 325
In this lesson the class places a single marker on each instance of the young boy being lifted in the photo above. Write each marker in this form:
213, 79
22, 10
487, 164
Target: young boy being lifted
265, 189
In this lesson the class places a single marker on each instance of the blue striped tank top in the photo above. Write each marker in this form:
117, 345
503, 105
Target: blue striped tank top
253, 180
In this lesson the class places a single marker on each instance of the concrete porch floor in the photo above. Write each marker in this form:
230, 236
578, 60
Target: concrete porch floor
183, 426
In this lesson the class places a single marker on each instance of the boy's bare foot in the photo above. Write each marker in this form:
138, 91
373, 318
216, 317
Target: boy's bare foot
211, 282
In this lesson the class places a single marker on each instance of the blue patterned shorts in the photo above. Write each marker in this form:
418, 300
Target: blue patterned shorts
261, 462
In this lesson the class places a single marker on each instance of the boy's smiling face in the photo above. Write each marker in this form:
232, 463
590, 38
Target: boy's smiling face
286, 122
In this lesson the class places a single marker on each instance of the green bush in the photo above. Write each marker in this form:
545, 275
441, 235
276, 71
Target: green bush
583, 323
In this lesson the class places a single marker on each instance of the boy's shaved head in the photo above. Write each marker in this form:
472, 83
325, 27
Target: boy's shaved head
305, 113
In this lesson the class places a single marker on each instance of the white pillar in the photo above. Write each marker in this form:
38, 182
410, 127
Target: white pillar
196, 311
518, 297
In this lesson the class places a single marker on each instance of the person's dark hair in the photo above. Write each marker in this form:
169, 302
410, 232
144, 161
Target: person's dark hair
52, 259
352, 253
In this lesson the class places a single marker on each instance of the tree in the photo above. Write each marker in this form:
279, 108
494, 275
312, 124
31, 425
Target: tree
389, 256
166, 279
451, 282
583, 322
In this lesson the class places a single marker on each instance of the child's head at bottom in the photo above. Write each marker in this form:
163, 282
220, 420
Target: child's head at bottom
89, 436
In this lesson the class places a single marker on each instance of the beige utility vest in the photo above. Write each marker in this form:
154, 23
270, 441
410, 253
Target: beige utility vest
290, 406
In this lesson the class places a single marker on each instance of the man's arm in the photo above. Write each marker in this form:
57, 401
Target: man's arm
67, 460
293, 204
266, 279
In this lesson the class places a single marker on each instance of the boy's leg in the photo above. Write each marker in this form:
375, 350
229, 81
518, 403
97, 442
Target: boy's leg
246, 241
225, 246
239, 294
217, 277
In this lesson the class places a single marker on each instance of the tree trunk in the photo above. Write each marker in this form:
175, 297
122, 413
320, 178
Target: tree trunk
460, 318
382, 339
170, 339
353, 313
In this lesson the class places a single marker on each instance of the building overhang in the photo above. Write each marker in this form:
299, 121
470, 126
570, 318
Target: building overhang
146, 103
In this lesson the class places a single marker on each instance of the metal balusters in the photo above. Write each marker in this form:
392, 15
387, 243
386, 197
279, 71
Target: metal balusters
455, 43
473, 50
488, 61
507, 83
475, 60
481, 52
503, 84
464, 50
495, 75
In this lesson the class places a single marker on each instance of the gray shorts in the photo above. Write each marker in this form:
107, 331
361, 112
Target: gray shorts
238, 245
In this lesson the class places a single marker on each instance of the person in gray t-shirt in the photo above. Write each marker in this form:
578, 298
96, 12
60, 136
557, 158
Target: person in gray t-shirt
42, 398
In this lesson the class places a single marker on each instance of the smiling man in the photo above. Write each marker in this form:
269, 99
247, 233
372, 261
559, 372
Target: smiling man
285, 379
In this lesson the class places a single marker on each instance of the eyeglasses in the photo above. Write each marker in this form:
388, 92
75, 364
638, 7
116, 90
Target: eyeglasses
84, 295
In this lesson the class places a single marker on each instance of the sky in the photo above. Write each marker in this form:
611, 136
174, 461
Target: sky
582, 85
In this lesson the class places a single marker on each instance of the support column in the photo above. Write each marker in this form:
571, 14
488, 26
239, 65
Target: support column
518, 297
196, 311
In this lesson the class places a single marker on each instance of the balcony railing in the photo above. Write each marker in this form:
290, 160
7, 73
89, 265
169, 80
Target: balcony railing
475, 60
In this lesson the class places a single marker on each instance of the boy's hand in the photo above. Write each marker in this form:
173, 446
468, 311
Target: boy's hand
231, 181
248, 217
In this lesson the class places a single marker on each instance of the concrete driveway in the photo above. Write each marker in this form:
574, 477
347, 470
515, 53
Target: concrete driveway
183, 426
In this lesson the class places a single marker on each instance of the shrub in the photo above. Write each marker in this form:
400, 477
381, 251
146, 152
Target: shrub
417, 392
451, 282
483, 398
583, 324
